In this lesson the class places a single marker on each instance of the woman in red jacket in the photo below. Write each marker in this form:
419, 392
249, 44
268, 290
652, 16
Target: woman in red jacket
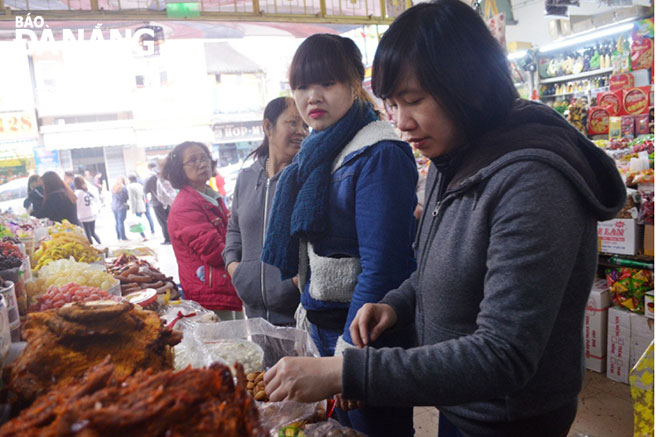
197, 225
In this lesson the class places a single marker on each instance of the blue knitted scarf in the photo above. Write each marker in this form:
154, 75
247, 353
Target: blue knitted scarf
301, 200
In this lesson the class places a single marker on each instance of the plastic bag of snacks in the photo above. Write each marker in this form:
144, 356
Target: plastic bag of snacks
628, 287
331, 428
277, 417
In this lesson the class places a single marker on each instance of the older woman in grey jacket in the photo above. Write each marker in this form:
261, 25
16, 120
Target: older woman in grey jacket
259, 285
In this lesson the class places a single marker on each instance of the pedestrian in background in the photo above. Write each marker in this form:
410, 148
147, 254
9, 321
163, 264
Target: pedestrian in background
197, 226
120, 206
35, 195
87, 206
259, 285
68, 180
136, 200
151, 191
59, 201
348, 197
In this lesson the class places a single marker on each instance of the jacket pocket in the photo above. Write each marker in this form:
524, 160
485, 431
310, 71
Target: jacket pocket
216, 278
247, 283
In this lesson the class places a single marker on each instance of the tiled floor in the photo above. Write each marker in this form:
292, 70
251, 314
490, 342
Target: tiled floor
605, 410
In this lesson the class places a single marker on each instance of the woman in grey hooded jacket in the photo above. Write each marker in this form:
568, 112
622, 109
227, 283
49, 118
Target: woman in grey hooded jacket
258, 284
507, 245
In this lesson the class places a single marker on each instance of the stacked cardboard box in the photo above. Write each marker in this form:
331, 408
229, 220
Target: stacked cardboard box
595, 326
628, 335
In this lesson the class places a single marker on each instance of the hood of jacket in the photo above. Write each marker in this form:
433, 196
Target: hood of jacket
534, 131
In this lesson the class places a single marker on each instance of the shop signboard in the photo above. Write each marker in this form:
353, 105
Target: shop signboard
237, 132
46, 160
16, 125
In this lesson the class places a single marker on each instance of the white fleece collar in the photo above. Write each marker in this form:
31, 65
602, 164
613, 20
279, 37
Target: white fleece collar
369, 135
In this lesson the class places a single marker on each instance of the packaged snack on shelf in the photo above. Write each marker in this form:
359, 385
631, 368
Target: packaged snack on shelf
635, 101
611, 100
620, 81
647, 208
184, 315
598, 122
628, 287
642, 124
628, 126
641, 54
615, 127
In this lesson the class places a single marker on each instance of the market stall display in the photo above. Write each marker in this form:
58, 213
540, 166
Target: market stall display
136, 274
64, 271
57, 297
64, 343
65, 245
107, 402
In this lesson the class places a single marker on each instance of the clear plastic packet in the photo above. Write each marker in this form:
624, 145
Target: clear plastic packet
274, 416
331, 428
185, 315
276, 342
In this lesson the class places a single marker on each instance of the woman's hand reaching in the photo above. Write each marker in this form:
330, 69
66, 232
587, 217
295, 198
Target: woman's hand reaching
370, 322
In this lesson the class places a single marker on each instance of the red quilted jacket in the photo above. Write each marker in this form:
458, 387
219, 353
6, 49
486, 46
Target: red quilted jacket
197, 231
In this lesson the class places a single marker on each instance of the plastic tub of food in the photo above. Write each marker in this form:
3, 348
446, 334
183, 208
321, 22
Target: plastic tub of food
9, 296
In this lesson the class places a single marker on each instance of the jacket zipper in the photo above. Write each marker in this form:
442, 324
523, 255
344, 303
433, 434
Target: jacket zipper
210, 277
263, 267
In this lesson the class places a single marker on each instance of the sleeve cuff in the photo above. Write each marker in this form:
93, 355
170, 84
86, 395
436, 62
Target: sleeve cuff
354, 373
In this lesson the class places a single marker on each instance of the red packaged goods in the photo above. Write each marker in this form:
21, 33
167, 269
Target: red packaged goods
628, 126
636, 100
641, 54
620, 81
642, 124
611, 100
598, 121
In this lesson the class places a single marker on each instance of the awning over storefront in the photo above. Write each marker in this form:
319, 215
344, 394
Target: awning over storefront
173, 136
83, 136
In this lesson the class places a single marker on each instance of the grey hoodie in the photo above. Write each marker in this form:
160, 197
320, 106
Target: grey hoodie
507, 257
258, 285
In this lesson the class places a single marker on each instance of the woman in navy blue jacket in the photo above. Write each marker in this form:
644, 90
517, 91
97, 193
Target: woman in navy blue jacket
343, 210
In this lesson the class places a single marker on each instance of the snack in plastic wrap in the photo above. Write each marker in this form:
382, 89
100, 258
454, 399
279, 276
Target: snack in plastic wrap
278, 416
647, 208
641, 388
331, 428
628, 287
249, 354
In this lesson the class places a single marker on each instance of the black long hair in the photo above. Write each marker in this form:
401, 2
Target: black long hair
448, 47
326, 57
272, 112
173, 169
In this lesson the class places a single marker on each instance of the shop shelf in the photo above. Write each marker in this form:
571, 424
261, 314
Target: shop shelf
576, 76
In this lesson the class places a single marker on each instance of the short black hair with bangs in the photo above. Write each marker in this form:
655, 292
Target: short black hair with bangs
450, 50
325, 57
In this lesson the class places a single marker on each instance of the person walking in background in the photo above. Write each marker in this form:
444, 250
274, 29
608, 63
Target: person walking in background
348, 197
120, 206
87, 206
164, 190
263, 292
197, 226
35, 195
136, 201
151, 191
507, 243
59, 201
68, 180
